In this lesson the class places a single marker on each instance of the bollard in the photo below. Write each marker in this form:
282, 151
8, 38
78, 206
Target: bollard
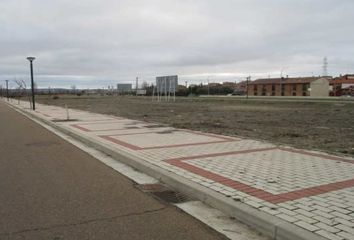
67, 112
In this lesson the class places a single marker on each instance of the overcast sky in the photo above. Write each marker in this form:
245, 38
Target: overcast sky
95, 43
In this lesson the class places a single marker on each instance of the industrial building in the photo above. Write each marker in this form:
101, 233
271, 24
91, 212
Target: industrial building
304, 86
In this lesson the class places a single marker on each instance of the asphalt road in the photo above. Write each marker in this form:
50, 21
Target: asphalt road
49, 189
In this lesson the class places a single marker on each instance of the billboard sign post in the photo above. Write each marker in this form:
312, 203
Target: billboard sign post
166, 85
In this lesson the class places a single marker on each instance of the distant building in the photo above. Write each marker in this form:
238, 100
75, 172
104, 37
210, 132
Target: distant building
214, 85
229, 85
342, 85
241, 86
304, 86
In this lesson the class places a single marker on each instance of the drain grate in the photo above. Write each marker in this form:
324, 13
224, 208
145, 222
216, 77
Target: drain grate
132, 127
163, 193
132, 123
171, 196
65, 120
151, 187
155, 126
165, 132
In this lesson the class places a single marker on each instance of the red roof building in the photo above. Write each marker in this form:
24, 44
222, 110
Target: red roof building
304, 86
342, 85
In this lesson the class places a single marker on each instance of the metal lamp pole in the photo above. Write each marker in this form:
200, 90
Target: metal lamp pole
31, 59
7, 89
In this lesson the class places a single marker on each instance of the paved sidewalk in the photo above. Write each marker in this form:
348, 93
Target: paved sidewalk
311, 190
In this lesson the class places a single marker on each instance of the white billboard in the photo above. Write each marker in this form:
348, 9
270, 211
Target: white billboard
141, 92
124, 87
166, 84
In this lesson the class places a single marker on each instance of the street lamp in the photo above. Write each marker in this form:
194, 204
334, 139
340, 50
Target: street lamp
7, 89
31, 59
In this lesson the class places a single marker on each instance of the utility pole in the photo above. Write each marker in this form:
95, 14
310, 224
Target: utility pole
7, 89
325, 67
247, 79
208, 87
31, 59
174, 91
169, 89
153, 92
281, 80
136, 85
165, 89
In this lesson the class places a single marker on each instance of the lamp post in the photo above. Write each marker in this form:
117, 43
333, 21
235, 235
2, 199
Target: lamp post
31, 59
7, 89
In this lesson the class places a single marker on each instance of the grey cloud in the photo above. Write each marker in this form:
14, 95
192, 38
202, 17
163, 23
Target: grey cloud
115, 40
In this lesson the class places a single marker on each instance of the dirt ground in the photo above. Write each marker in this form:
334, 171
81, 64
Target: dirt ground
323, 125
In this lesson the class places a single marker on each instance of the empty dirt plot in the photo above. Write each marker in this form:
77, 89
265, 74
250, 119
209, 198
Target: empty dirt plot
325, 125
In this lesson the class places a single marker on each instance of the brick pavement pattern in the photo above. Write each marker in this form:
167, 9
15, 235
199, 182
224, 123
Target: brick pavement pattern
310, 189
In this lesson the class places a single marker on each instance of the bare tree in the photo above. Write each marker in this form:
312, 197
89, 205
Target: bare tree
73, 89
144, 85
22, 89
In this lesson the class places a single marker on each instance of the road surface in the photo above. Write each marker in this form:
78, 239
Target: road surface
50, 189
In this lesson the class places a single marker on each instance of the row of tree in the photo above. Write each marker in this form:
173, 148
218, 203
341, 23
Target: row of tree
216, 89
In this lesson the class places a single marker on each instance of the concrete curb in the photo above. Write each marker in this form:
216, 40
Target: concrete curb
265, 223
